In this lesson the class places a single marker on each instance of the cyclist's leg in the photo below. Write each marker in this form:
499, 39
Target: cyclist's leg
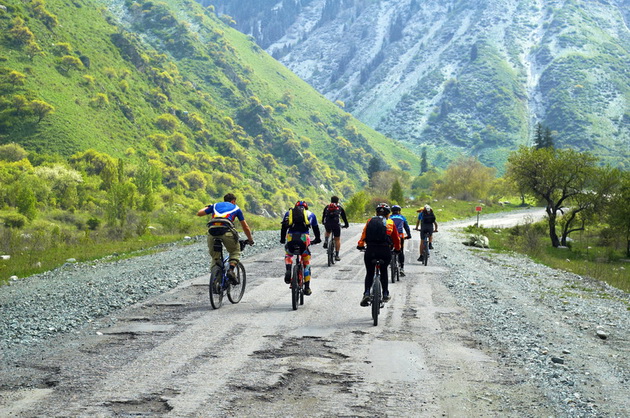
306, 262
288, 262
336, 231
401, 256
230, 241
386, 256
326, 235
215, 256
369, 271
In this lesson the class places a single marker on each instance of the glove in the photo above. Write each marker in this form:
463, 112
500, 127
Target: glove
282, 240
360, 248
408, 237
346, 226
316, 241
251, 242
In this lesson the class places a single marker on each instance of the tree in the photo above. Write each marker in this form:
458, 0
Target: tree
466, 179
396, 195
619, 212
554, 176
424, 166
26, 202
12, 152
543, 137
41, 109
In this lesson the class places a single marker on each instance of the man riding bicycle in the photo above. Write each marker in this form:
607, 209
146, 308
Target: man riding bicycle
295, 231
426, 221
401, 224
221, 227
379, 236
330, 219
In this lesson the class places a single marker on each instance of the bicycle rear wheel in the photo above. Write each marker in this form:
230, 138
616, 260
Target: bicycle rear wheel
376, 298
331, 251
235, 291
425, 259
295, 286
216, 290
394, 267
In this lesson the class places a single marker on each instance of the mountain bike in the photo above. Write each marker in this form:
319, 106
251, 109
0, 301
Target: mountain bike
425, 252
331, 250
220, 283
297, 273
376, 294
394, 267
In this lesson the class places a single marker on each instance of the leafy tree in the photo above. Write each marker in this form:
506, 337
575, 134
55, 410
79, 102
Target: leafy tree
12, 152
68, 62
543, 137
555, 176
121, 199
357, 205
41, 109
26, 202
424, 166
20, 104
99, 101
396, 195
167, 122
467, 179
16, 78
619, 212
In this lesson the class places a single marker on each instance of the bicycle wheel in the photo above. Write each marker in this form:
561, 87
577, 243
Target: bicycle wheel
376, 298
216, 289
295, 286
393, 267
331, 251
235, 291
425, 259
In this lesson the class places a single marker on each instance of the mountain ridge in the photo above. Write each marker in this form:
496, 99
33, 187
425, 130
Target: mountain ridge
472, 78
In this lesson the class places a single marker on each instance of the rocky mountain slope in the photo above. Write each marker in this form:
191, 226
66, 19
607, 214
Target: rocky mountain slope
466, 76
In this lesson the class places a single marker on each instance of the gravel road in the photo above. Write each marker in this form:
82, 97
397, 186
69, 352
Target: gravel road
476, 333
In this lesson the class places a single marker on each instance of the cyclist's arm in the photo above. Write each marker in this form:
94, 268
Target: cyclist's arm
345, 219
316, 232
203, 212
248, 232
407, 229
361, 242
436, 226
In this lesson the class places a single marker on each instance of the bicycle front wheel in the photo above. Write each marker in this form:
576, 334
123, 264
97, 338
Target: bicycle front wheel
393, 267
235, 291
426, 254
376, 298
216, 289
295, 286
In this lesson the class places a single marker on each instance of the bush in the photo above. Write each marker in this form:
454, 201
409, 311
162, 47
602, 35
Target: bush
15, 220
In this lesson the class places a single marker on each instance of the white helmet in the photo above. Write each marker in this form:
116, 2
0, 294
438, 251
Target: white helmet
427, 208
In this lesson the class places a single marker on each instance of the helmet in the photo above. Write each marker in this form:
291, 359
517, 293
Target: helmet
396, 208
301, 203
383, 208
427, 208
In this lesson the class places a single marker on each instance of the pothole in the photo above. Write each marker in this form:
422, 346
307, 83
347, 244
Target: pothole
138, 407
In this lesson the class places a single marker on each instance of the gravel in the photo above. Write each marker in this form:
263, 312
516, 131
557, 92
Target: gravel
570, 334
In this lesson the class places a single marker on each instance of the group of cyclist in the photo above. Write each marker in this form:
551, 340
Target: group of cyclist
381, 235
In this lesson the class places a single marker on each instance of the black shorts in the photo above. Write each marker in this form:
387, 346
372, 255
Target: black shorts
334, 228
426, 231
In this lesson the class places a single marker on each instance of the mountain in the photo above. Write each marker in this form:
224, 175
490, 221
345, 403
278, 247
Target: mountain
461, 76
171, 85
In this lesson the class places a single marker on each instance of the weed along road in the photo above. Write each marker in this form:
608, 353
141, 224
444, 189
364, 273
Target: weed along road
461, 337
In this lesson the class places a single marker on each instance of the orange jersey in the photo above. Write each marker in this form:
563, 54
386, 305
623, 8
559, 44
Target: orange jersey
392, 231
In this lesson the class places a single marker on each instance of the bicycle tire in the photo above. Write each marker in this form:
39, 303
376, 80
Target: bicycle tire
392, 267
235, 291
426, 253
376, 298
215, 287
331, 251
295, 290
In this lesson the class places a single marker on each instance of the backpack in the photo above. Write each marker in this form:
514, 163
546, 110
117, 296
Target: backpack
332, 214
376, 231
298, 218
428, 218
220, 223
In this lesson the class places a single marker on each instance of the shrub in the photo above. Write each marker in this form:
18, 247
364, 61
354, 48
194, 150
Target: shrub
15, 220
93, 223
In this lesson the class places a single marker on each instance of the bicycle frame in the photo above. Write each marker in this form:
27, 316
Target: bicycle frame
376, 296
331, 249
219, 281
297, 282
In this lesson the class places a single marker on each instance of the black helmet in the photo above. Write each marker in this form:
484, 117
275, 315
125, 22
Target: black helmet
383, 209
396, 208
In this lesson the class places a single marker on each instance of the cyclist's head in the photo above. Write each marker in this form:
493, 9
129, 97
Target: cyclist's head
334, 199
427, 208
396, 209
382, 209
229, 197
301, 203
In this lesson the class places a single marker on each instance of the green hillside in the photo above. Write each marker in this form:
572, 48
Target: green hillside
170, 86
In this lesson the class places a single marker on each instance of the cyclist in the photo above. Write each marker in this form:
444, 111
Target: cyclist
402, 225
428, 225
295, 228
379, 235
221, 226
330, 219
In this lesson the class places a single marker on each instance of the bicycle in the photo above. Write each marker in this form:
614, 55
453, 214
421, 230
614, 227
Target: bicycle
425, 245
393, 267
297, 276
331, 250
376, 294
220, 283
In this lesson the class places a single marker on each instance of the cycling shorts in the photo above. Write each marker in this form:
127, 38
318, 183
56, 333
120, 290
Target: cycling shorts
334, 228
